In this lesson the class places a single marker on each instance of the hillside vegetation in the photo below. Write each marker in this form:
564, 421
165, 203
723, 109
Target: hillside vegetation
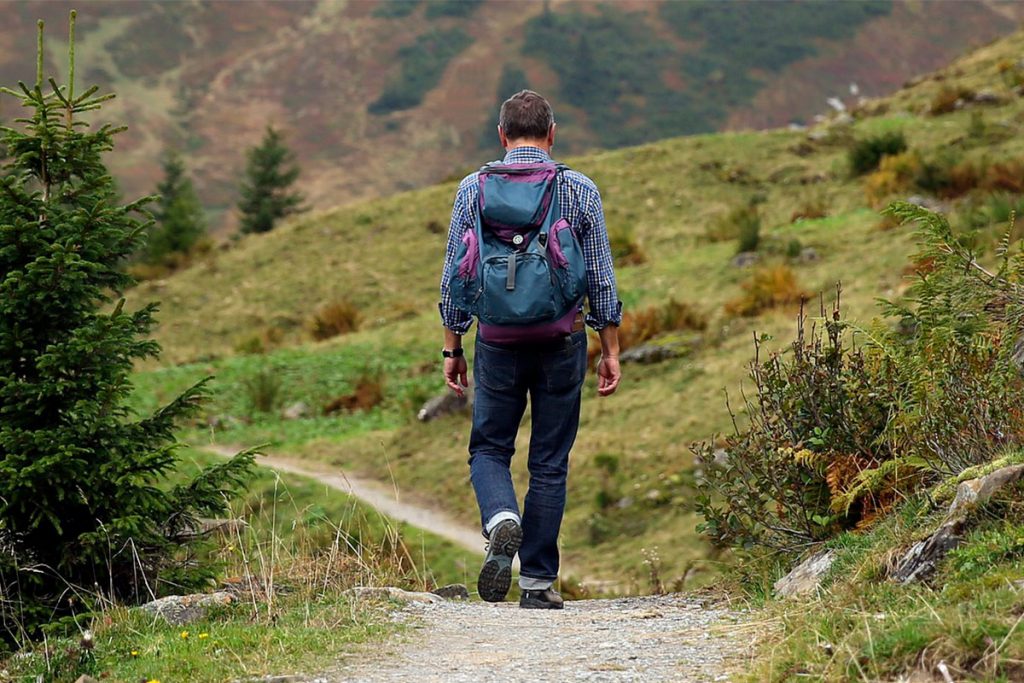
384, 96
677, 212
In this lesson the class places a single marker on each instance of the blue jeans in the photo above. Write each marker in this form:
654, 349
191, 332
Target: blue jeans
552, 374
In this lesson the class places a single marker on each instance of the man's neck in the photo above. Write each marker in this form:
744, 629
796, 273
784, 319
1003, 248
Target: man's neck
542, 146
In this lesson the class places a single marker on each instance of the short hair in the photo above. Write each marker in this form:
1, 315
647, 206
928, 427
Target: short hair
526, 116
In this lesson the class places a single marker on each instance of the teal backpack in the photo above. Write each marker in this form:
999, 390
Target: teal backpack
520, 271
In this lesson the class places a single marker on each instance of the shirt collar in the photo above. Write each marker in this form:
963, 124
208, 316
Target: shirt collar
526, 155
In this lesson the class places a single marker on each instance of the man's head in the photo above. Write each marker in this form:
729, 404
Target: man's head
526, 119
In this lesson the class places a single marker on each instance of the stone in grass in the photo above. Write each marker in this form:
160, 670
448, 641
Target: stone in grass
453, 591
392, 593
447, 403
921, 560
297, 411
806, 578
178, 610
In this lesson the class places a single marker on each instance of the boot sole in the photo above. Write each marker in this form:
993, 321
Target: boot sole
496, 575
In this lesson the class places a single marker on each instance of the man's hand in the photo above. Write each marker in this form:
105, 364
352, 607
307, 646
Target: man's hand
456, 374
608, 375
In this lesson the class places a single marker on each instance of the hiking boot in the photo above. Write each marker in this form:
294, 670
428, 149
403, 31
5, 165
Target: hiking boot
496, 574
540, 599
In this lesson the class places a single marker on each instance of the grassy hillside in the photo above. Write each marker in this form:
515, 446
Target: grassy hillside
630, 517
378, 97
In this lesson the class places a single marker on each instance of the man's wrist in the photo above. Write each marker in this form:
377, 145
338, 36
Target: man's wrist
456, 352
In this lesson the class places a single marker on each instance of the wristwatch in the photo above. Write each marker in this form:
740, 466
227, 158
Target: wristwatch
454, 353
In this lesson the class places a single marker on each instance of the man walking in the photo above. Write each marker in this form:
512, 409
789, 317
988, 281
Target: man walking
548, 364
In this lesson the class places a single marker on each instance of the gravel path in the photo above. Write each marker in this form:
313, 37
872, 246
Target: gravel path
635, 640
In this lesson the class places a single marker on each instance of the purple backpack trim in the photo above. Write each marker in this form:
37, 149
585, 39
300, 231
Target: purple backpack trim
470, 262
504, 334
554, 246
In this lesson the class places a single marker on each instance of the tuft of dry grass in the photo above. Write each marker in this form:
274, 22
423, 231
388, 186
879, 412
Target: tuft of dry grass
369, 392
333, 319
769, 287
948, 99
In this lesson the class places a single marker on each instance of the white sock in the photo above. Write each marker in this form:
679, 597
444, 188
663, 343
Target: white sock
499, 517
529, 584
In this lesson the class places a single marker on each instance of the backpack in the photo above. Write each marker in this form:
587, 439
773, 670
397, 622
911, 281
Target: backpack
520, 271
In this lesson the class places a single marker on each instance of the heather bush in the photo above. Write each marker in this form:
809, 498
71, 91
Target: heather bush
867, 154
847, 421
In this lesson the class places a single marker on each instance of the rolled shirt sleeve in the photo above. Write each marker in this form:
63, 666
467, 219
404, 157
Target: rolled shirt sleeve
602, 292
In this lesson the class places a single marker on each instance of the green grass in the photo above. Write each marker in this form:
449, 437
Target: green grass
865, 627
314, 542
383, 256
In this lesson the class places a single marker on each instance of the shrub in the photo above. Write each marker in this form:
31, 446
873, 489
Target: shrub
866, 154
949, 99
767, 288
742, 223
625, 249
263, 390
839, 432
948, 176
646, 324
1005, 176
896, 173
810, 208
333, 319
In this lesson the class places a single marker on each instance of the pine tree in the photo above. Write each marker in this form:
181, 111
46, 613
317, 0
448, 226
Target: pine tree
270, 172
178, 214
84, 507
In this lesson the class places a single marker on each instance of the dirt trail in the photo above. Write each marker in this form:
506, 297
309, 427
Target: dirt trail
636, 640
383, 498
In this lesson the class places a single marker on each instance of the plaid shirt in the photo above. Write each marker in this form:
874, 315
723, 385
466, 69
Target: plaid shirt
580, 202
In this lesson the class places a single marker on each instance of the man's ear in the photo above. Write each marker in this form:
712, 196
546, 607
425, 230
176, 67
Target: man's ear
502, 138
551, 135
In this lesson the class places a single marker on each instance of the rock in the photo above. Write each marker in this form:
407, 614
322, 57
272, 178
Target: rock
184, 609
990, 97
808, 255
806, 578
745, 259
929, 203
920, 561
970, 494
453, 591
392, 593
648, 353
446, 404
85, 678
296, 411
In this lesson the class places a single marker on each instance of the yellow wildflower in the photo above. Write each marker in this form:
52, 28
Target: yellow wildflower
135, 653
204, 635
184, 635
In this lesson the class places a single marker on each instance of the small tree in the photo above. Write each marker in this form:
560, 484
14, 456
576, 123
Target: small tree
84, 508
269, 173
179, 216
